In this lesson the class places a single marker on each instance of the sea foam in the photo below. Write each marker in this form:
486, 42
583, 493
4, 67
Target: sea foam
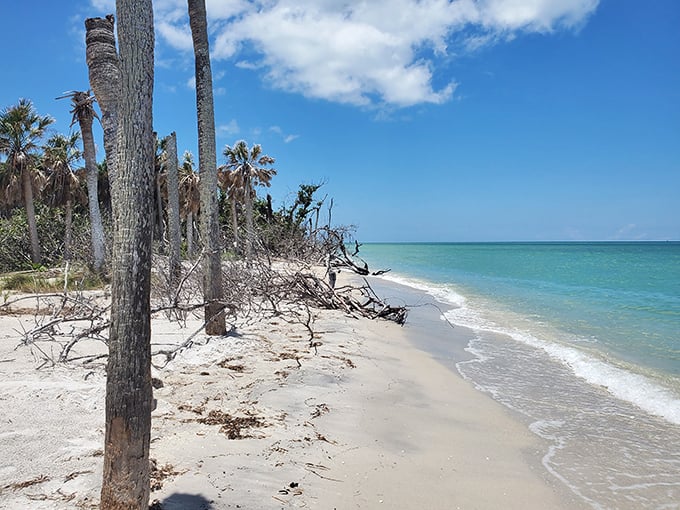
632, 387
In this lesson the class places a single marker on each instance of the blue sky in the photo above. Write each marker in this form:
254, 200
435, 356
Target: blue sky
430, 120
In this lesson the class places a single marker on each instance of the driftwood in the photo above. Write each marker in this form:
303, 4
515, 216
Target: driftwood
251, 292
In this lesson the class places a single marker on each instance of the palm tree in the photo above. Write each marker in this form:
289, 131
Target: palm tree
63, 185
207, 163
125, 481
21, 128
104, 72
227, 181
84, 113
190, 198
250, 169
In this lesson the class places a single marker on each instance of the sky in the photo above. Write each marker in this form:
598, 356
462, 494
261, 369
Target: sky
425, 120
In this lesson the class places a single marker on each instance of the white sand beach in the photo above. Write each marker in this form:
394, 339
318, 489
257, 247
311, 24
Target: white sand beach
259, 420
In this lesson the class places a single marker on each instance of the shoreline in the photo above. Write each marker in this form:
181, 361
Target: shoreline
369, 420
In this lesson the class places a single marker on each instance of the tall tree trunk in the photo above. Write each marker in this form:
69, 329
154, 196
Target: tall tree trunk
250, 232
174, 235
159, 213
104, 70
128, 385
207, 163
30, 215
97, 228
190, 235
234, 225
68, 228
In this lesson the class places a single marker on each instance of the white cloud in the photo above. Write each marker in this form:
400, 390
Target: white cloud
230, 128
104, 5
177, 36
384, 52
286, 137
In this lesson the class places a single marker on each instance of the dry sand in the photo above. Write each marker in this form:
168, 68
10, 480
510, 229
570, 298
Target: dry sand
364, 420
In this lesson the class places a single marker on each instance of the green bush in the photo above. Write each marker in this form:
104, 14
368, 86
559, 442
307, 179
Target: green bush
15, 244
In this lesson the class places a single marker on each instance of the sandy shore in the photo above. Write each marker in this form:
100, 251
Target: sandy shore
260, 420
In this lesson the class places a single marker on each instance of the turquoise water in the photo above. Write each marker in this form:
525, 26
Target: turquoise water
582, 339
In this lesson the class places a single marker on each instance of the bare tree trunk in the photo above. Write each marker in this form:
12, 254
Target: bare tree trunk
174, 235
68, 228
234, 225
104, 70
250, 229
128, 386
89, 154
190, 235
159, 213
36, 258
207, 163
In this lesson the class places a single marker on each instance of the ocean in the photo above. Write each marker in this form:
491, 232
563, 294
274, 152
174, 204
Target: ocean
581, 340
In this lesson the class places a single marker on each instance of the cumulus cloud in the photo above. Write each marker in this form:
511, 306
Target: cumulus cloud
385, 52
230, 128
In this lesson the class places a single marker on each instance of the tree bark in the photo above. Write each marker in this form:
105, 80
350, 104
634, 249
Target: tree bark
234, 225
97, 228
104, 71
174, 235
159, 213
68, 228
36, 258
250, 228
190, 234
128, 386
207, 163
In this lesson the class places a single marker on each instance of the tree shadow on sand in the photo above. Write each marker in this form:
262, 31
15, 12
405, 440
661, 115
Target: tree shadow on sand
179, 501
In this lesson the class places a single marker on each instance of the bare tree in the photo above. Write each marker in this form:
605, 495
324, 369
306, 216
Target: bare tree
104, 70
84, 113
207, 164
172, 172
128, 386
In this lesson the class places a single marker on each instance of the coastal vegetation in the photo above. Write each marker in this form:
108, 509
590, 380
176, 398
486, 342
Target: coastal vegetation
68, 224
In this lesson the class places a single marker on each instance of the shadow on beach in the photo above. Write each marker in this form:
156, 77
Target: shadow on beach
179, 501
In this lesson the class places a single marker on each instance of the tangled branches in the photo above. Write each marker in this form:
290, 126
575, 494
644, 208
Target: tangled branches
253, 291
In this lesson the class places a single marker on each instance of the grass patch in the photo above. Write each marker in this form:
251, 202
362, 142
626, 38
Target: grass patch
48, 281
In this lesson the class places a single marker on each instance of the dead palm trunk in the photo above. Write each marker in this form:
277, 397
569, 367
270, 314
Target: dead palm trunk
36, 258
207, 163
190, 235
174, 234
250, 228
159, 213
85, 120
68, 228
128, 385
104, 70
234, 225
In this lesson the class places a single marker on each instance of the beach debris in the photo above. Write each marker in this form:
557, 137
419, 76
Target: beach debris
319, 410
234, 427
158, 474
27, 483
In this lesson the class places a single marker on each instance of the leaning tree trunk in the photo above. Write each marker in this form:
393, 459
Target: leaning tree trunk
128, 385
30, 215
104, 70
174, 235
207, 163
89, 155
